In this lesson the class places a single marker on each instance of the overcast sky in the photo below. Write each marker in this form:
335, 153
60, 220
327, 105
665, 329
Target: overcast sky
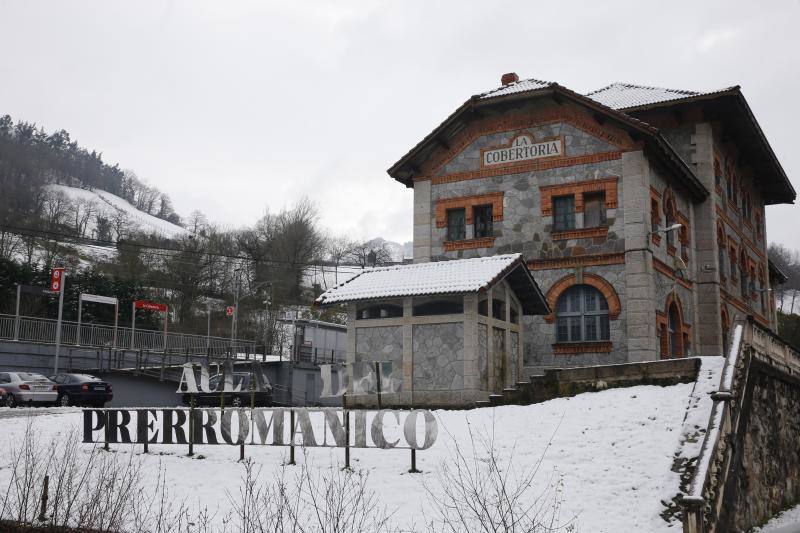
236, 107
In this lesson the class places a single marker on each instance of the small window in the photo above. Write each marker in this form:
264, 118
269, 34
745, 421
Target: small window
669, 215
722, 268
733, 263
729, 185
379, 310
456, 225
655, 217
498, 309
564, 213
443, 305
483, 306
594, 210
514, 315
482, 219
745, 281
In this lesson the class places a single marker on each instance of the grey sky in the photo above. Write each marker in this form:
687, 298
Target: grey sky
233, 107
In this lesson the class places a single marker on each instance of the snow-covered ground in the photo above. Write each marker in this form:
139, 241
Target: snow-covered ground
109, 205
612, 451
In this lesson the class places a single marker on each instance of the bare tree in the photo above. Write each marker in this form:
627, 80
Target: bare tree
337, 249
788, 261
483, 491
370, 254
10, 245
82, 210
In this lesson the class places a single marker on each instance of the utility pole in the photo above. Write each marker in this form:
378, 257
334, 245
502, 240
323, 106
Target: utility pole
238, 272
57, 283
208, 329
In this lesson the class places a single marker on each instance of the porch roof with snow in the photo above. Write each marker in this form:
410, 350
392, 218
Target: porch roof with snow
458, 276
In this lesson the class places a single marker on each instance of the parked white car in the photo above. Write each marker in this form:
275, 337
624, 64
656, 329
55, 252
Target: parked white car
27, 388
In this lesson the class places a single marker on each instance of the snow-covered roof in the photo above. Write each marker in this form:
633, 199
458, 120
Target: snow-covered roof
627, 95
443, 277
516, 87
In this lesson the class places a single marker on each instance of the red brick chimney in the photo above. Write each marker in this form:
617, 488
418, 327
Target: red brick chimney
509, 78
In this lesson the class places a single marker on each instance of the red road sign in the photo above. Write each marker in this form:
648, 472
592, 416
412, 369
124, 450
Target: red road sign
150, 306
56, 279
229, 310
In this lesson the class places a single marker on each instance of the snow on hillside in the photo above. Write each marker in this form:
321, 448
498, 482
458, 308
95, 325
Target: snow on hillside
610, 453
110, 204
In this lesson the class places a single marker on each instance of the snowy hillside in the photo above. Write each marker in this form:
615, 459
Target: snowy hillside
111, 206
606, 457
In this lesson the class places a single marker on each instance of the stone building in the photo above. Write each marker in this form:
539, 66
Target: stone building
639, 210
447, 333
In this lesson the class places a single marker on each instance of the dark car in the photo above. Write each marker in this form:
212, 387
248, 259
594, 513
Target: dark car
243, 398
82, 389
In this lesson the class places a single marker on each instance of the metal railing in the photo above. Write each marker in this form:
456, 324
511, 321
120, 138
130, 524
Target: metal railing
43, 330
320, 356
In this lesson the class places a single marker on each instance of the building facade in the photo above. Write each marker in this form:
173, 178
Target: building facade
639, 210
439, 334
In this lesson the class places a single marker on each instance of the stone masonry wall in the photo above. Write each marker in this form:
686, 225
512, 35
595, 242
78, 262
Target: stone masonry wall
383, 343
523, 228
765, 476
438, 357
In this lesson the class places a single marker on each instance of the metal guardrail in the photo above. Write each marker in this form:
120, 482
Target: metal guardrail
43, 330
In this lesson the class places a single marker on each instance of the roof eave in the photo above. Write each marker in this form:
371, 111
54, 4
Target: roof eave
789, 194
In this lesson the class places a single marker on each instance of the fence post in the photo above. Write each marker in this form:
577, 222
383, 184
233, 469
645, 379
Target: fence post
291, 447
43, 511
347, 439
191, 422
16, 319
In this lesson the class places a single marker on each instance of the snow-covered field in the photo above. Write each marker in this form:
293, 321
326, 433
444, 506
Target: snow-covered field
612, 451
110, 205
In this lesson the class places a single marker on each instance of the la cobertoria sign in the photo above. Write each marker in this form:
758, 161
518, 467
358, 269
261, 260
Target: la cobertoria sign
523, 148
414, 429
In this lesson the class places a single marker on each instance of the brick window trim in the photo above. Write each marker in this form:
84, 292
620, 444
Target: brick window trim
656, 239
576, 348
494, 199
468, 244
584, 233
578, 189
671, 250
593, 280
585, 260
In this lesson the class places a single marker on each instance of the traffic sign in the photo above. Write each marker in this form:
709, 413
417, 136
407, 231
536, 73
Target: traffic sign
150, 306
229, 310
56, 279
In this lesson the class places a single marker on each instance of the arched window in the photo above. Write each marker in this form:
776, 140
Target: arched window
674, 326
745, 278
582, 315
